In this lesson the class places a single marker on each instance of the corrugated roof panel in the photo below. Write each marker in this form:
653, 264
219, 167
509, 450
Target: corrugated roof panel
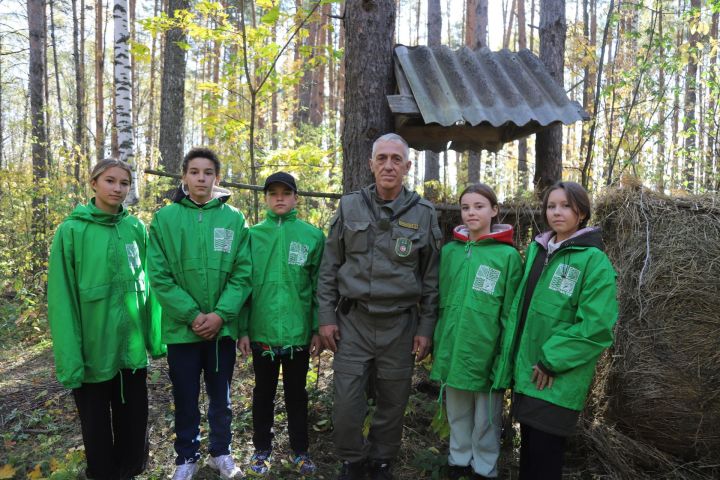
475, 87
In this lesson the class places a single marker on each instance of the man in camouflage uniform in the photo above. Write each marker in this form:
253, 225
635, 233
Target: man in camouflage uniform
378, 294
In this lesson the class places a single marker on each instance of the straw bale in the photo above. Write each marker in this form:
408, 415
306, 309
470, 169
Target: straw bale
660, 384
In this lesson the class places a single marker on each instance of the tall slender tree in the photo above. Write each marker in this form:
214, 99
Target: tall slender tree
123, 93
432, 159
37, 31
369, 37
476, 37
56, 71
99, 80
522, 143
172, 97
689, 117
548, 144
79, 63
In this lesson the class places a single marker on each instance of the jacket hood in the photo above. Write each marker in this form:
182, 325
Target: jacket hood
585, 237
91, 213
220, 193
500, 232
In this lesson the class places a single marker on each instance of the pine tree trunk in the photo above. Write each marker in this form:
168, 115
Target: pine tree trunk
522, 143
79, 130
660, 157
548, 144
150, 129
432, 159
689, 119
37, 30
370, 33
99, 81
712, 141
61, 114
2, 121
172, 100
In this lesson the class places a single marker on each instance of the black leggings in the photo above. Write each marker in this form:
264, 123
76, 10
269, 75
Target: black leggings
541, 454
113, 418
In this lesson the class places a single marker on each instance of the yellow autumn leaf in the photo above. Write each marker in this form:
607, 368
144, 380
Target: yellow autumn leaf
36, 474
7, 471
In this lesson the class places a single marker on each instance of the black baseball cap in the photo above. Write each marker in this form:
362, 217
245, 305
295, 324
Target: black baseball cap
280, 177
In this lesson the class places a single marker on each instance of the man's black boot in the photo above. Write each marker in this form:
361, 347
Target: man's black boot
352, 471
380, 470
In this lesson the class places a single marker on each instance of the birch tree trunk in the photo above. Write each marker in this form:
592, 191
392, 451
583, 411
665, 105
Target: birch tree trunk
123, 94
369, 37
548, 144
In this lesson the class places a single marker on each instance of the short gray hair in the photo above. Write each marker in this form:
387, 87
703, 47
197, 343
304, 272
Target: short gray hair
391, 137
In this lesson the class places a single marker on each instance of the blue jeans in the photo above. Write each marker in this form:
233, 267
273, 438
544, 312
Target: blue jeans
216, 361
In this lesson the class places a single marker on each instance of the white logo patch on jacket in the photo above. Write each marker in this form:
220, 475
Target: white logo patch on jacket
298, 253
485, 279
223, 240
564, 279
133, 255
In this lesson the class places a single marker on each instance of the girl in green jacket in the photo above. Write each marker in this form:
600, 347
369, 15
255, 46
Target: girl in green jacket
104, 323
200, 268
561, 321
479, 272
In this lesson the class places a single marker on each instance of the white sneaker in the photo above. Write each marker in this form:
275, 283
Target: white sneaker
225, 466
185, 471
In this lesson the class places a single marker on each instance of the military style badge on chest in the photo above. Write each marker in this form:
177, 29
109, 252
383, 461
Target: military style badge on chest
403, 247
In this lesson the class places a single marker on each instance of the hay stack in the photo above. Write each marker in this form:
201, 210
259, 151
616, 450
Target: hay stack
660, 385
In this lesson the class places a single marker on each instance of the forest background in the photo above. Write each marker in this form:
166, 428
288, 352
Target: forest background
264, 83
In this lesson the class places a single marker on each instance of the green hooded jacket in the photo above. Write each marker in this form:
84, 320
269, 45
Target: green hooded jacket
101, 313
199, 262
569, 320
478, 280
286, 256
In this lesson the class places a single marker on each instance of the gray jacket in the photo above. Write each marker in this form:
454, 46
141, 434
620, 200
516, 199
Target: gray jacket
386, 262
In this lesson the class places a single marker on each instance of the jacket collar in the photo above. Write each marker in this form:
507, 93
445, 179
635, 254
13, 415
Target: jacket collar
500, 232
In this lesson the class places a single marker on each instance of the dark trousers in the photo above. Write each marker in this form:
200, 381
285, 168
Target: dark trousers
113, 419
541, 454
267, 370
186, 362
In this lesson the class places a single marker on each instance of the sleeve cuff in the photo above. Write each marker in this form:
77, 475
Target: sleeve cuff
327, 318
426, 329
545, 369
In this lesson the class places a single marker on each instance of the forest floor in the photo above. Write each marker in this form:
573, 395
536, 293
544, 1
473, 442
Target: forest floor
40, 432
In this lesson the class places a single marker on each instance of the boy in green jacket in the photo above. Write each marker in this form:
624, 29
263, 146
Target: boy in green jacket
283, 321
200, 267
